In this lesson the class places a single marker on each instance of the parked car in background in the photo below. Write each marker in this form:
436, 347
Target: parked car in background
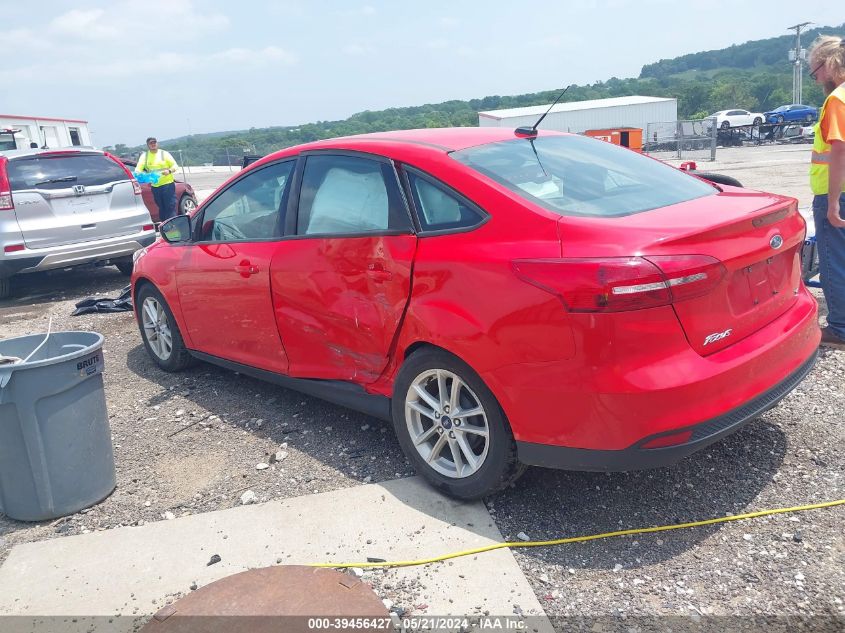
792, 113
505, 298
733, 118
66, 207
795, 133
186, 199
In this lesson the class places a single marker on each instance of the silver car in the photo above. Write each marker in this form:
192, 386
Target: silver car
68, 207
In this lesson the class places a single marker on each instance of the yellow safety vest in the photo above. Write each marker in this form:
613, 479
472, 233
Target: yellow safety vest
158, 161
820, 161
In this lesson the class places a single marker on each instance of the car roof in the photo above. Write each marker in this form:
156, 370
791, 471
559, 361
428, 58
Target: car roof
440, 139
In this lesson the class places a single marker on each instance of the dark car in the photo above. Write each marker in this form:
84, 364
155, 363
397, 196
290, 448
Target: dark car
185, 196
794, 112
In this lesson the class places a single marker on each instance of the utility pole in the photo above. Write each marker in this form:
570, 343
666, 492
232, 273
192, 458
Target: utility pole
797, 58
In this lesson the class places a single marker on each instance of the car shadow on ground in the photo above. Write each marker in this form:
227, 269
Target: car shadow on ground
30, 291
725, 478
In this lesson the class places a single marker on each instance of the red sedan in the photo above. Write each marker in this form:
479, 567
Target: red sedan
505, 298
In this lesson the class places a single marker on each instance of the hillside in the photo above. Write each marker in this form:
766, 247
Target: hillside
768, 54
755, 75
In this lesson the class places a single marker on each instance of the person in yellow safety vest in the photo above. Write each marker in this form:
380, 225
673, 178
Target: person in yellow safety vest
158, 160
827, 181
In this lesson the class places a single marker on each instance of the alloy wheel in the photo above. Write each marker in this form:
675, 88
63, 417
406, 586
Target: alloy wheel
188, 205
447, 423
157, 328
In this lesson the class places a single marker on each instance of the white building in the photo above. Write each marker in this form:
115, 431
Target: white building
46, 131
580, 116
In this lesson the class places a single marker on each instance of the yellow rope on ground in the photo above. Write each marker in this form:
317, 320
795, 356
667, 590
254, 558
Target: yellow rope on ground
582, 539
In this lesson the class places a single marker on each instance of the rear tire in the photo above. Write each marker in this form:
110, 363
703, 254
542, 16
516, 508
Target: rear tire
5, 288
757, 120
125, 267
160, 332
451, 427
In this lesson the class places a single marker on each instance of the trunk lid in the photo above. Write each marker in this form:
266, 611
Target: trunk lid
756, 236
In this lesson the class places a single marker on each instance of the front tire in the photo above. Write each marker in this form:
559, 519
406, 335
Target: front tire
186, 205
757, 120
451, 427
160, 332
725, 125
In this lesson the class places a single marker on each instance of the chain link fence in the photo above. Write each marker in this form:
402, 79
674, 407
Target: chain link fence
689, 139
230, 157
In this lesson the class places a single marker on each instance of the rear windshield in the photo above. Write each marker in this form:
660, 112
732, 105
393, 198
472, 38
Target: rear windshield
576, 175
61, 172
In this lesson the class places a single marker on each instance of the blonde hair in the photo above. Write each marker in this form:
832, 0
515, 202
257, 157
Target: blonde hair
829, 51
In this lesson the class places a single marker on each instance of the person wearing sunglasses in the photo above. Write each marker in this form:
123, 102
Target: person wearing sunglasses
160, 162
827, 181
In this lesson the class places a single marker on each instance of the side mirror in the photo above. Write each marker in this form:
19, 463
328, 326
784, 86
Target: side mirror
176, 230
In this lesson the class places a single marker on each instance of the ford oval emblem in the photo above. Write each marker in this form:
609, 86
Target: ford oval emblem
776, 242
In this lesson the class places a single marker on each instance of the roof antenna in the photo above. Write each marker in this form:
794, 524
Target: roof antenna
532, 131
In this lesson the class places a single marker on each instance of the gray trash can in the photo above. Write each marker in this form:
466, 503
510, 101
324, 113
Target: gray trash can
55, 444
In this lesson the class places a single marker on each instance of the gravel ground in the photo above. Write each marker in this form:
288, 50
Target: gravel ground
191, 443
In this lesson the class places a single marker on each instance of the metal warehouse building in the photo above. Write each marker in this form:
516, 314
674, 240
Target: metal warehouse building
595, 114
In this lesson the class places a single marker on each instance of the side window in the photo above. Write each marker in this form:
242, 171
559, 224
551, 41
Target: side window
343, 195
438, 209
251, 209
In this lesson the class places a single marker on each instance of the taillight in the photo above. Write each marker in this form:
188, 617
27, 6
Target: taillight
135, 186
148, 227
617, 284
6, 202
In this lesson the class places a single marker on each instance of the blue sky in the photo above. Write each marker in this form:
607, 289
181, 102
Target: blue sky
172, 67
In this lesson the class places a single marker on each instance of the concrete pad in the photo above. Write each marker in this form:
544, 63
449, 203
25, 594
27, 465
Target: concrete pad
133, 570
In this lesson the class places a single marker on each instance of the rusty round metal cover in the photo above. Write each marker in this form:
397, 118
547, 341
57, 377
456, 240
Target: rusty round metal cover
283, 599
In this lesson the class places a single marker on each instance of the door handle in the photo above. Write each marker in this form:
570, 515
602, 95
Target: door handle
246, 269
377, 273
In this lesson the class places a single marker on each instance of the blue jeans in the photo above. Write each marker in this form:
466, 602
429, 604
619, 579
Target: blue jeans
831, 244
165, 199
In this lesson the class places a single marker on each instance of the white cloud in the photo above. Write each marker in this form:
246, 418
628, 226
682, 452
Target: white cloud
262, 57
358, 49
125, 67
448, 22
85, 25
368, 10
20, 40
153, 23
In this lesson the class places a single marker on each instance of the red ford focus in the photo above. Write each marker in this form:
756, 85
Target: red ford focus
506, 299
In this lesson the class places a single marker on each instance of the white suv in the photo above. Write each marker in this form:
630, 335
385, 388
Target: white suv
68, 207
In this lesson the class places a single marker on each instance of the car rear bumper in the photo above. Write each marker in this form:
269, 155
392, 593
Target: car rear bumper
645, 380
34, 260
638, 456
